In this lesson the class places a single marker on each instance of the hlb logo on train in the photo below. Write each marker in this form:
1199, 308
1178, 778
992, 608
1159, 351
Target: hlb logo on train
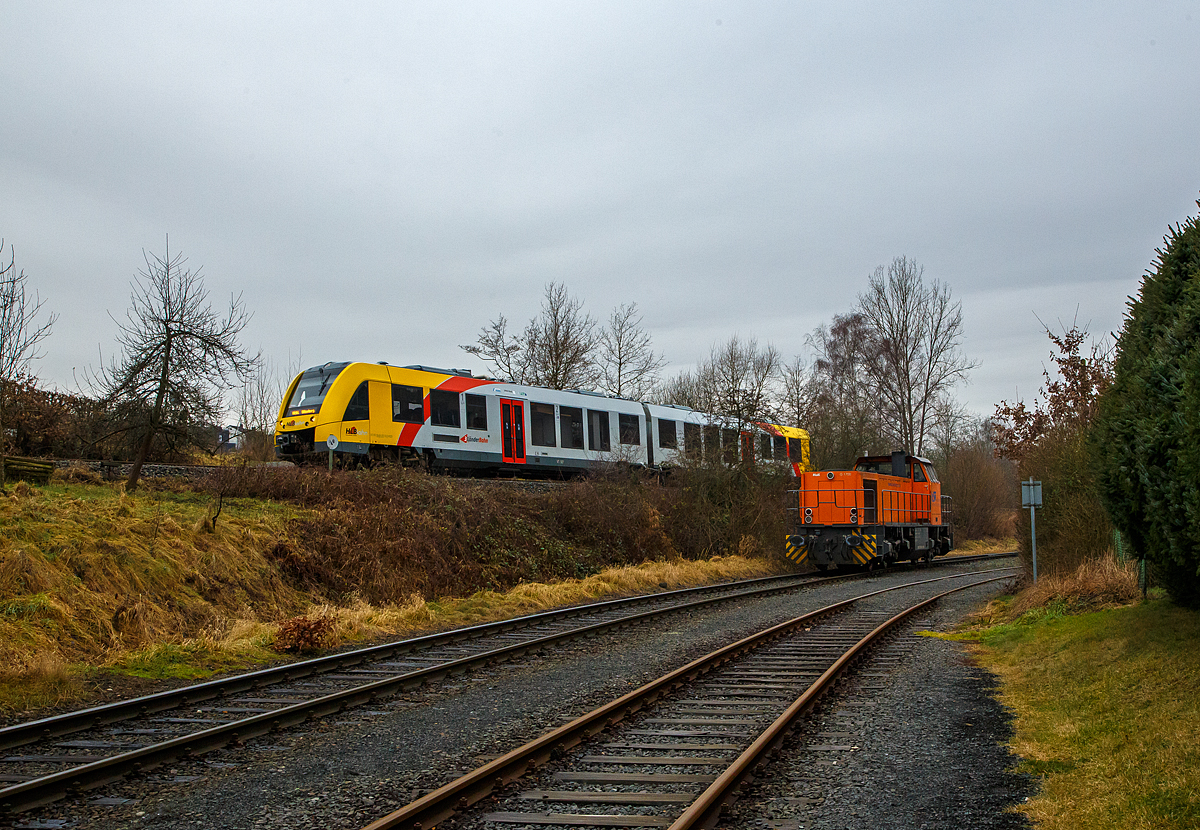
471, 439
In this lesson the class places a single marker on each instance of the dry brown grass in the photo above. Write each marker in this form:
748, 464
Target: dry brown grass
1095, 584
148, 584
90, 573
977, 547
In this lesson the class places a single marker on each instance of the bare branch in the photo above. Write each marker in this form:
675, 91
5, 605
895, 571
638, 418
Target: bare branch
20, 333
628, 365
177, 357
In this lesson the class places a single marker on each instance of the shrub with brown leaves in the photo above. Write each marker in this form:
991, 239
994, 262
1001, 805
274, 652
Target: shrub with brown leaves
304, 635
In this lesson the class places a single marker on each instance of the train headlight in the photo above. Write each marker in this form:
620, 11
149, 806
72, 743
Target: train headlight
853, 516
808, 515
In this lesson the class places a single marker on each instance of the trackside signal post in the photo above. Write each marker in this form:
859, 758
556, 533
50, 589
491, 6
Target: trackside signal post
1031, 497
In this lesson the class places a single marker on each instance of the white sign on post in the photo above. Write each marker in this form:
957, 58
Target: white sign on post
1031, 497
1031, 493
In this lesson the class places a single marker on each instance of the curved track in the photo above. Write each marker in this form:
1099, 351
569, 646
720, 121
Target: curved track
110, 741
679, 748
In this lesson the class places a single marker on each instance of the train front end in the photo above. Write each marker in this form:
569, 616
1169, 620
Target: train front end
887, 509
306, 416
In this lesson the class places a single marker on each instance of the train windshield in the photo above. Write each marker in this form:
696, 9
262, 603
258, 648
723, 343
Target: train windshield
882, 466
311, 389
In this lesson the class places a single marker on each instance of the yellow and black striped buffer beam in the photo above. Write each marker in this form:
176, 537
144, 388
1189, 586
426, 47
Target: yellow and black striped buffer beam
795, 549
862, 547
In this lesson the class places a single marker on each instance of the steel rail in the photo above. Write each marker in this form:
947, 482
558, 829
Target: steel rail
706, 810
70, 722
47, 788
459, 794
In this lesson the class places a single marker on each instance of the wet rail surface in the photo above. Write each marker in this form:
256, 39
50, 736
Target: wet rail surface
676, 751
50, 757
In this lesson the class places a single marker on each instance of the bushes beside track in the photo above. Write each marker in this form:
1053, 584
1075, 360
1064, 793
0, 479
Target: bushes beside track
384, 535
184, 578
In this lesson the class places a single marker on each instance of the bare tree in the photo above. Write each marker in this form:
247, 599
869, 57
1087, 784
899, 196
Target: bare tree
845, 414
19, 334
556, 350
916, 359
176, 358
628, 366
736, 380
797, 397
258, 402
680, 390
561, 343
506, 354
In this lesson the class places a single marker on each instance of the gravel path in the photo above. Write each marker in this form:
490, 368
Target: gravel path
927, 756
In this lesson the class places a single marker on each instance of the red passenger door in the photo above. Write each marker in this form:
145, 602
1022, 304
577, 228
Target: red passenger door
512, 431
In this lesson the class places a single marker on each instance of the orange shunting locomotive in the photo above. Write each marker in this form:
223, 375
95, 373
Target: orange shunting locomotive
887, 509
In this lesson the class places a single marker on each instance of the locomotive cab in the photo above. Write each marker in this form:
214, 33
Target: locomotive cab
887, 509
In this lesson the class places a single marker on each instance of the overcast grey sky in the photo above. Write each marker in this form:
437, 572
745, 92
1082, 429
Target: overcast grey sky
380, 180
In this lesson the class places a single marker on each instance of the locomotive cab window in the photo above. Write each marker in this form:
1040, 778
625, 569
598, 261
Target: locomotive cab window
630, 429
359, 408
541, 425
598, 437
476, 412
668, 434
570, 424
408, 404
443, 408
918, 472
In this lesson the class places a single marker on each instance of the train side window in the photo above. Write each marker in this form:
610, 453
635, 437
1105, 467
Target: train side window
443, 408
691, 439
630, 429
570, 424
476, 412
598, 438
712, 443
781, 446
359, 408
541, 425
668, 434
729, 445
408, 404
918, 472
795, 450
764, 446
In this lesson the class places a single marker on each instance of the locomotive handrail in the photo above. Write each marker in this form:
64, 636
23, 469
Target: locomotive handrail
910, 504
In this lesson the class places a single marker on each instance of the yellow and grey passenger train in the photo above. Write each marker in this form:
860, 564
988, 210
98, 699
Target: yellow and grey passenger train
450, 419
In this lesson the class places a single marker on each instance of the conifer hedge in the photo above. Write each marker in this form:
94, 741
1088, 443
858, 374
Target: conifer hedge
1147, 435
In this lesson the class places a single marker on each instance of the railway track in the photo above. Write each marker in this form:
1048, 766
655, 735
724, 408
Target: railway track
80, 750
676, 751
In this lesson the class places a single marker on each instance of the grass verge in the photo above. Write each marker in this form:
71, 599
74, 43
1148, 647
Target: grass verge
1105, 700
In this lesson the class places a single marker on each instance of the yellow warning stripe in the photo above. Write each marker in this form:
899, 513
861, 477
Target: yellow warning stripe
865, 550
796, 553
